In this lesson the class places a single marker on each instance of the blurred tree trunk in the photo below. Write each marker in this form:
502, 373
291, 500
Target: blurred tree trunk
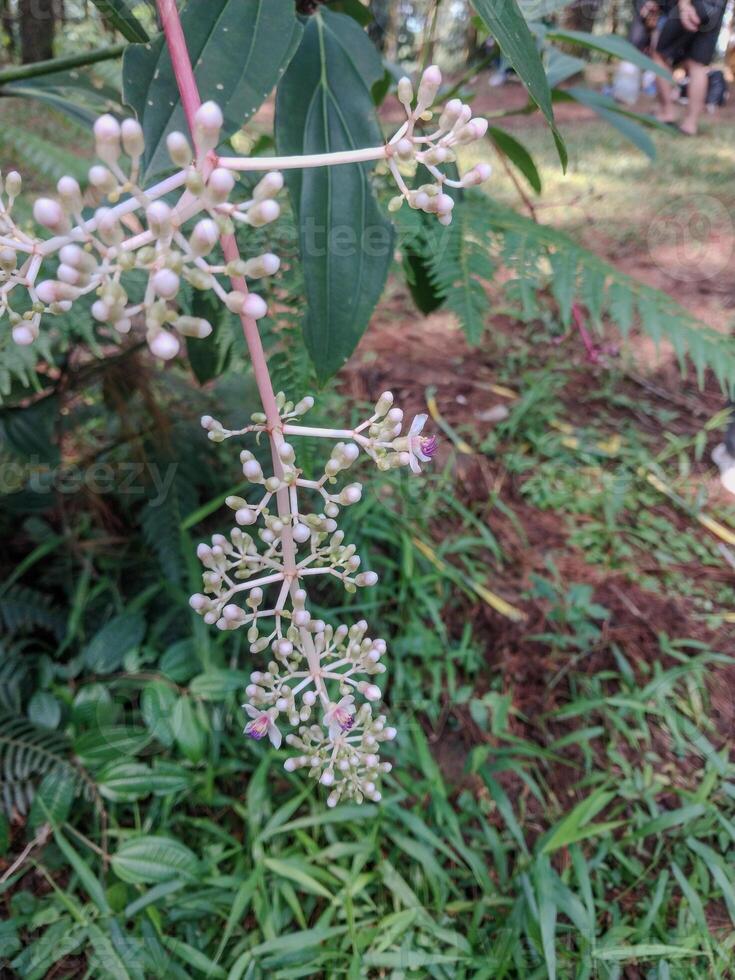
36, 28
378, 30
6, 21
581, 15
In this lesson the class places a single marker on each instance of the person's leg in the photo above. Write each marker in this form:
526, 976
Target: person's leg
698, 81
666, 104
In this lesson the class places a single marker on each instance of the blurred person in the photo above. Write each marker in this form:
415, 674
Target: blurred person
689, 38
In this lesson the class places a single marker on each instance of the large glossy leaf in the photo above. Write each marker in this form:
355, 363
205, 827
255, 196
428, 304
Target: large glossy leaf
627, 123
120, 15
324, 104
517, 153
239, 49
508, 26
612, 44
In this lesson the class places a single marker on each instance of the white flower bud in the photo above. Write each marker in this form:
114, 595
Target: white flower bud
158, 216
268, 186
429, 86
178, 149
193, 326
384, 403
108, 227
327, 778
107, 138
23, 334
204, 236
254, 306
101, 311
219, 185
301, 533
474, 130
366, 579
166, 283
164, 345
262, 265
372, 692
102, 179
124, 325
450, 115
478, 175
405, 91
245, 516
252, 470
8, 259
50, 214
13, 184
262, 213
70, 194
132, 138
207, 125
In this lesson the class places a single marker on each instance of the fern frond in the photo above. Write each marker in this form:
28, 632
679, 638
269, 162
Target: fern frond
23, 608
543, 256
459, 267
484, 232
28, 753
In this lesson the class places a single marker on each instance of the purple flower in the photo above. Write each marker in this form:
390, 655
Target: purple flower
339, 717
262, 724
420, 448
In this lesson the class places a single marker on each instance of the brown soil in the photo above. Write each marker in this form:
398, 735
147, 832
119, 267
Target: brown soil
408, 354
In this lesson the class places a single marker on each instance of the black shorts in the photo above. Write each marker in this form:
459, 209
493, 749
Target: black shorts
676, 44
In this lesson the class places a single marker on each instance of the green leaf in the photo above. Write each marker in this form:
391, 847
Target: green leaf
239, 49
120, 15
209, 357
294, 871
85, 874
53, 799
324, 105
509, 28
215, 685
105, 651
608, 110
612, 44
126, 781
188, 732
644, 951
156, 705
150, 859
517, 153
44, 710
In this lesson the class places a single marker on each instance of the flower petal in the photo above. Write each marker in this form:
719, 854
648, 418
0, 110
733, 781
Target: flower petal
274, 735
417, 425
414, 463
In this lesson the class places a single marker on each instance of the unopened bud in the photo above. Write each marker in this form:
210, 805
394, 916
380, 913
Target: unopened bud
178, 149
50, 214
193, 326
262, 213
262, 265
405, 91
269, 186
132, 138
429, 86
13, 184
70, 194
207, 125
204, 236
107, 138
164, 345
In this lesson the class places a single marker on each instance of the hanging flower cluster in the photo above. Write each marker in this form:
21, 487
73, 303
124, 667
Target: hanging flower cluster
181, 231
455, 127
317, 671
